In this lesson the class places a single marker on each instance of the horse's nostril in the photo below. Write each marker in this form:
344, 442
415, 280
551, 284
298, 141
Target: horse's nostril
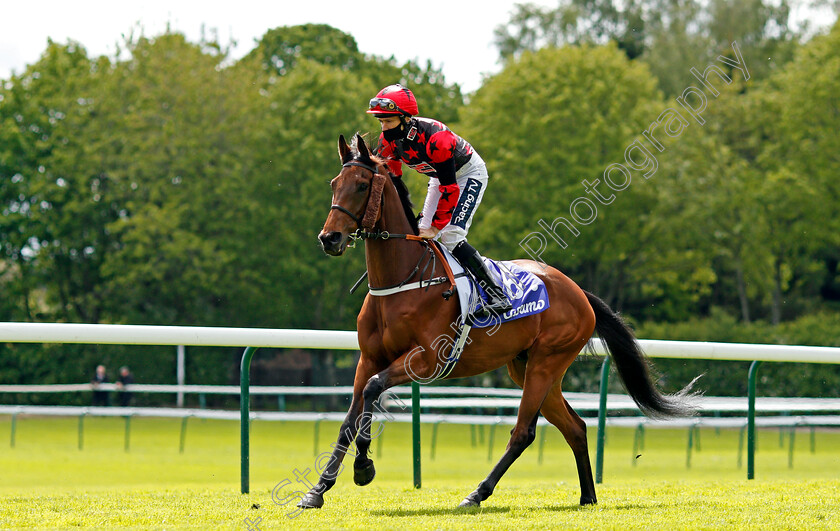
330, 238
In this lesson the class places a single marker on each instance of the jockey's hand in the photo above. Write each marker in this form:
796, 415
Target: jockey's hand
429, 233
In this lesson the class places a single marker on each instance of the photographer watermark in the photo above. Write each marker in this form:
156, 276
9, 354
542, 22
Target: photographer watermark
325, 460
617, 177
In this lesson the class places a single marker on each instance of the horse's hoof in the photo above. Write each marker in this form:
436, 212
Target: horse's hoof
469, 502
312, 500
588, 501
364, 475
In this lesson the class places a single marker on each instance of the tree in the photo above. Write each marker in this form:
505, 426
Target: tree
178, 151
56, 205
282, 48
671, 36
800, 157
549, 126
573, 22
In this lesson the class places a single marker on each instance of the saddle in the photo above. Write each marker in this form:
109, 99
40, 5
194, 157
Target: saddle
525, 291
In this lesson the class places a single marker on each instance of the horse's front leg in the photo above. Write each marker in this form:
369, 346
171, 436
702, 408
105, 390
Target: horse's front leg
397, 373
363, 469
314, 499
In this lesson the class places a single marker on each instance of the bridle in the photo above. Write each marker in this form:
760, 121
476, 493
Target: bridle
365, 224
372, 210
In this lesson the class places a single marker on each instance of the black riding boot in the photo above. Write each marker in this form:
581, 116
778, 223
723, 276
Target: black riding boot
497, 301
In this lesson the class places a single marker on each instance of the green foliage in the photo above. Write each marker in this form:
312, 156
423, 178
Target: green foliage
730, 378
168, 186
670, 36
550, 121
164, 188
281, 48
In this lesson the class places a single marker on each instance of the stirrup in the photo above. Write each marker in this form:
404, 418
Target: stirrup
499, 307
497, 304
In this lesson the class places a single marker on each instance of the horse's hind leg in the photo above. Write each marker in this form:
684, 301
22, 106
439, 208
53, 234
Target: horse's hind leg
557, 411
536, 384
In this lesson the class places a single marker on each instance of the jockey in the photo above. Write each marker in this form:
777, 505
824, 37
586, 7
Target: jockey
457, 179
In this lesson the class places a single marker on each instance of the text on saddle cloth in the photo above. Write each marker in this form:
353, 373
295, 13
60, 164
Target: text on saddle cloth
525, 291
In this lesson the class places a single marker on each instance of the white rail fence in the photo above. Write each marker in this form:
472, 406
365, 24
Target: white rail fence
346, 340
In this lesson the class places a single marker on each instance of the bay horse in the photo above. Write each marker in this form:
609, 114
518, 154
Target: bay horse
398, 333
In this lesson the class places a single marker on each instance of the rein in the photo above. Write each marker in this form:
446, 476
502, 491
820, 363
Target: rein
436, 254
370, 217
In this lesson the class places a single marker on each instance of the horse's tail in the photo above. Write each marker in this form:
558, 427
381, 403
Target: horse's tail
632, 366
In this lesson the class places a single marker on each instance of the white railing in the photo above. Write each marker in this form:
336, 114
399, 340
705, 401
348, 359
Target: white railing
321, 339
345, 340
106, 334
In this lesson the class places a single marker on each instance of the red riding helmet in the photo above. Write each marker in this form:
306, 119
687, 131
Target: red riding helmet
393, 99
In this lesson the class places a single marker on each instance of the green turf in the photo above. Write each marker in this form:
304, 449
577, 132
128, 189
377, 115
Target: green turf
47, 482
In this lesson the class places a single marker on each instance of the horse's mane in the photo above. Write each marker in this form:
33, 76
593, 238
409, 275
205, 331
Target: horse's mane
402, 189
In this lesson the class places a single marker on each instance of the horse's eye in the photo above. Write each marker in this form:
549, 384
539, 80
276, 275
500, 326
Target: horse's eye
362, 187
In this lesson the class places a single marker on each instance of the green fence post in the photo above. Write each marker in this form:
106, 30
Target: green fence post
14, 424
127, 431
81, 431
492, 438
690, 446
697, 436
790, 450
183, 439
316, 435
751, 435
782, 429
638, 442
602, 422
244, 417
542, 443
415, 431
434, 439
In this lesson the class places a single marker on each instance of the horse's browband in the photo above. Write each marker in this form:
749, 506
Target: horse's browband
360, 164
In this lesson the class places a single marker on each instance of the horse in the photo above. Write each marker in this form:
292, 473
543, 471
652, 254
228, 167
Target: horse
398, 333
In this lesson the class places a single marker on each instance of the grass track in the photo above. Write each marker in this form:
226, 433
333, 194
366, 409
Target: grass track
48, 483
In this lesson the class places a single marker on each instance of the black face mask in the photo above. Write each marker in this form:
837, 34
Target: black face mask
397, 133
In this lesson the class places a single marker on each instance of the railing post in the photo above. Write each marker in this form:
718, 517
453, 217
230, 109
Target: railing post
316, 434
180, 375
542, 443
14, 424
602, 421
82, 431
183, 439
751, 435
415, 431
127, 431
492, 438
244, 417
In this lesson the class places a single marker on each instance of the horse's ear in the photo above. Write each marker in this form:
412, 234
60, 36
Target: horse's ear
362, 147
344, 152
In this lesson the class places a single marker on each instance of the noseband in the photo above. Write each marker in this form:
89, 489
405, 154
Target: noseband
374, 202
363, 232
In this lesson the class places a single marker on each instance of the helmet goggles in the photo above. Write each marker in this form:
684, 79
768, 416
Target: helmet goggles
384, 105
